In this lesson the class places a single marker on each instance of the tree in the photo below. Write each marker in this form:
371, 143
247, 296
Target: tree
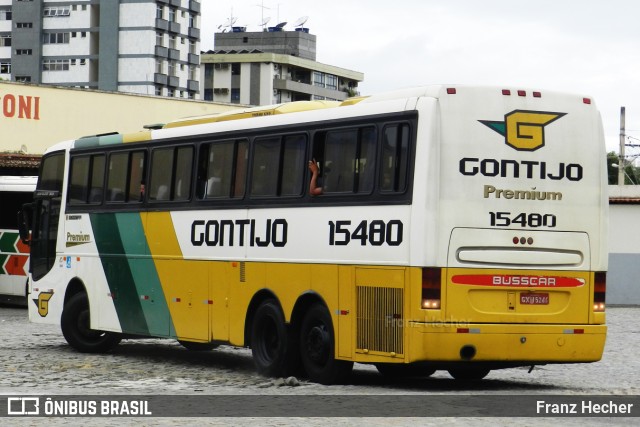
631, 172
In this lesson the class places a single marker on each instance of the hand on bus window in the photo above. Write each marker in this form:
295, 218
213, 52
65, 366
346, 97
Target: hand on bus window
314, 188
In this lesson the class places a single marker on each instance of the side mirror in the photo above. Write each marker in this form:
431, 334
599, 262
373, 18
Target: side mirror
23, 223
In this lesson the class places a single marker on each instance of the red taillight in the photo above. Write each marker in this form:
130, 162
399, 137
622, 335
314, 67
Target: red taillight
506, 92
599, 291
431, 285
586, 100
522, 93
537, 95
451, 90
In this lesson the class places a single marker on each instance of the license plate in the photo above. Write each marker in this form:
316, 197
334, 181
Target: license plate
534, 298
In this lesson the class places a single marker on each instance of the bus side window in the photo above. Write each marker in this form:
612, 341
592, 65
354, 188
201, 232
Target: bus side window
278, 166
395, 157
222, 168
349, 160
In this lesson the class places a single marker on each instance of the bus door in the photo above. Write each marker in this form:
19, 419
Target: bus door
46, 215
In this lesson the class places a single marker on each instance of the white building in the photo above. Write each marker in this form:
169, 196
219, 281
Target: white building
144, 46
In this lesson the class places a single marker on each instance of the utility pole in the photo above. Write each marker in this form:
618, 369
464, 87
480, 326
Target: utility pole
622, 144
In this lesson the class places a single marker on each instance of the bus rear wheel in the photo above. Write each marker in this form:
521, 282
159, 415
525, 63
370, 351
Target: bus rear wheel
469, 374
270, 343
75, 325
317, 348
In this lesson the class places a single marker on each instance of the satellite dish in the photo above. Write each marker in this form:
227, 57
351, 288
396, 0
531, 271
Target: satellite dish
281, 25
265, 21
300, 22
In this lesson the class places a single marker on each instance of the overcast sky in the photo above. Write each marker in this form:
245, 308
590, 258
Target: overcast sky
590, 47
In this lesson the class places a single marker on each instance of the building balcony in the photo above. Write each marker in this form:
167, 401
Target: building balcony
174, 54
308, 89
162, 24
194, 32
194, 6
162, 51
193, 85
193, 59
176, 3
163, 1
174, 27
160, 79
174, 81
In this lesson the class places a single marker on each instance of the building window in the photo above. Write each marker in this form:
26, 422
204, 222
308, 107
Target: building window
5, 40
318, 79
5, 67
235, 95
159, 66
23, 79
171, 92
24, 52
24, 24
192, 21
192, 47
158, 90
55, 38
172, 15
159, 39
57, 11
192, 72
331, 81
172, 41
160, 12
172, 68
55, 65
5, 15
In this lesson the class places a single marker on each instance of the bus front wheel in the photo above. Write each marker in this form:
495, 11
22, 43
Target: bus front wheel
270, 340
317, 348
75, 324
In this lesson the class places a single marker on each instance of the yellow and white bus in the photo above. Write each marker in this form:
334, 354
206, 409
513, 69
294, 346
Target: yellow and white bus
452, 228
14, 254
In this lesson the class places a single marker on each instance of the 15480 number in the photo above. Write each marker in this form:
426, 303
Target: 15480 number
375, 233
532, 220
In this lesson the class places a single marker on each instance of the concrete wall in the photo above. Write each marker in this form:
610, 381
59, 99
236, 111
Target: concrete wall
40, 116
623, 278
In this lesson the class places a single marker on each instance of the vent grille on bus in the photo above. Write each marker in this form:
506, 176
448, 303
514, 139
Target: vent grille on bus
380, 319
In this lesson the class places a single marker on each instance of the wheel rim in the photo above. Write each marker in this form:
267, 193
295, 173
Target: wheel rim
318, 344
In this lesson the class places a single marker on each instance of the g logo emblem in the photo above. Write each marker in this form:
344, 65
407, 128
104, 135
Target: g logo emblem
523, 130
42, 302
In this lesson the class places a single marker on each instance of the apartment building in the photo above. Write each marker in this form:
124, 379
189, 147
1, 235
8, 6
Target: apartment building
148, 47
272, 67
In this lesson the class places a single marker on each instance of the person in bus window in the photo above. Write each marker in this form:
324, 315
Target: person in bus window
314, 188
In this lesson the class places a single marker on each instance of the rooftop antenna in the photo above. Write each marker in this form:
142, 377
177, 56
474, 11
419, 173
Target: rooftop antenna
300, 21
263, 20
228, 23
264, 23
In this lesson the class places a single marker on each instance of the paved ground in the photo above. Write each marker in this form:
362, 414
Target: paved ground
35, 359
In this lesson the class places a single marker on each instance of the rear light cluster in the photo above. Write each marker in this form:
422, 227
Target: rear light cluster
599, 291
522, 240
431, 286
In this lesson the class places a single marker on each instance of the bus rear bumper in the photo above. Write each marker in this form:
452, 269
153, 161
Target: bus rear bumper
506, 343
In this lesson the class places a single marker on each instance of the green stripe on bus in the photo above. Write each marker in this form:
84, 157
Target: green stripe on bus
118, 273
8, 242
144, 273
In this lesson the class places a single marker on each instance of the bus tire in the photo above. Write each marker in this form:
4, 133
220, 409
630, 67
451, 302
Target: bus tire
400, 370
198, 346
75, 322
317, 348
270, 340
469, 373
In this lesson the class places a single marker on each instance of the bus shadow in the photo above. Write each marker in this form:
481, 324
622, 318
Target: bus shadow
238, 360
371, 378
